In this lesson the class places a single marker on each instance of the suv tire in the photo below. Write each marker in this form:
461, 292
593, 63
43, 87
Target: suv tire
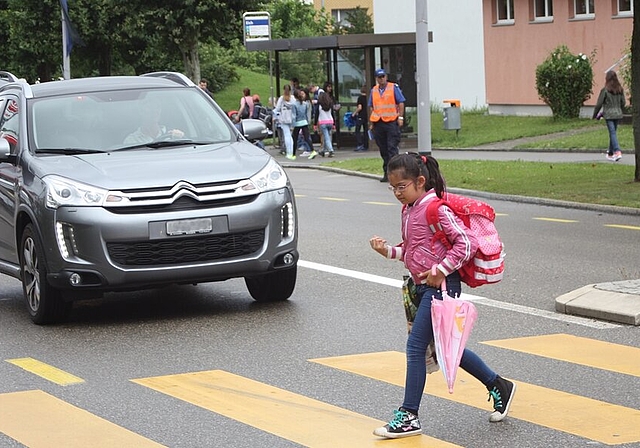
274, 286
45, 303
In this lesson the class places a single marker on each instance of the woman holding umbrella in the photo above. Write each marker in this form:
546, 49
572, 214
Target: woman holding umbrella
416, 180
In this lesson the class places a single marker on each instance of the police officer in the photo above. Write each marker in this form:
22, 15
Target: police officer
386, 103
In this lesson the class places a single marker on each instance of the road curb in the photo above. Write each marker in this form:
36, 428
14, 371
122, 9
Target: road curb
605, 304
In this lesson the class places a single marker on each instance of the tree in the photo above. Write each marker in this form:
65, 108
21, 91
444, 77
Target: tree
182, 25
31, 51
359, 22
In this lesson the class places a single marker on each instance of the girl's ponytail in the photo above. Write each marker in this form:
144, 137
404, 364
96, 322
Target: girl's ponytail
434, 177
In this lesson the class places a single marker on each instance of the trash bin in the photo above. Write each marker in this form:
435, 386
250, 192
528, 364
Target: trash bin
451, 114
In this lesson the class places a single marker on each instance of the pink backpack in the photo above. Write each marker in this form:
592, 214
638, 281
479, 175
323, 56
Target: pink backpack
487, 265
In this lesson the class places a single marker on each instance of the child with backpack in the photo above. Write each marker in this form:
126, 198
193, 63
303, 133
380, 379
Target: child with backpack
416, 181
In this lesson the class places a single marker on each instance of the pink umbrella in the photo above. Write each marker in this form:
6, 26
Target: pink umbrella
452, 320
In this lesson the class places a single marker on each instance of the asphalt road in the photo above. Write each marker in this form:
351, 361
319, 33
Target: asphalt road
205, 366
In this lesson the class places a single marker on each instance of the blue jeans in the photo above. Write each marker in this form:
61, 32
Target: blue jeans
420, 337
288, 139
612, 126
326, 134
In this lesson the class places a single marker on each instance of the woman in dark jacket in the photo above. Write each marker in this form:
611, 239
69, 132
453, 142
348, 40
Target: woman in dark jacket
611, 101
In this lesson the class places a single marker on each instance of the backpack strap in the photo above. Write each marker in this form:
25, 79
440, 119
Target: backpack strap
433, 221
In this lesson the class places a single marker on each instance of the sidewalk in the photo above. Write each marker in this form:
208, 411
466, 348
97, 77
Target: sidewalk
611, 301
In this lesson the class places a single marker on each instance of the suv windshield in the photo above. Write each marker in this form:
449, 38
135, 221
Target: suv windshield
125, 119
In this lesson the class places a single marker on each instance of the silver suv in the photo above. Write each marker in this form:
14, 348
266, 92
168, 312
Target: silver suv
124, 183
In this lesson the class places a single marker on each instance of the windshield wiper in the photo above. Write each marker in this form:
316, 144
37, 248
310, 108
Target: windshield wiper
68, 151
163, 144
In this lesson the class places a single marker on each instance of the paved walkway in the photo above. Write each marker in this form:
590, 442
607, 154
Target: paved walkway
612, 301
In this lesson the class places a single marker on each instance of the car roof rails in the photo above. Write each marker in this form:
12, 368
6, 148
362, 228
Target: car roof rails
173, 76
8, 76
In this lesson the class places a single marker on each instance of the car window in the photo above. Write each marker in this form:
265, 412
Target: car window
9, 122
116, 119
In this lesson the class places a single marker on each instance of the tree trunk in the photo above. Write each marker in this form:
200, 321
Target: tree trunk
635, 85
191, 60
104, 61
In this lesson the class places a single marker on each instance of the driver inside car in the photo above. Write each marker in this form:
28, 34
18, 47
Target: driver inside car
150, 129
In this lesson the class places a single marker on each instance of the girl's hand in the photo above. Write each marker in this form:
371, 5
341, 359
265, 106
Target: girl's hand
432, 279
379, 245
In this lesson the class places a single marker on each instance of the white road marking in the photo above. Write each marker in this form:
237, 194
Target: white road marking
470, 297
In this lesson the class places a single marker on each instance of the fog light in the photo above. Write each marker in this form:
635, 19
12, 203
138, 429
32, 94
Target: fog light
75, 279
288, 259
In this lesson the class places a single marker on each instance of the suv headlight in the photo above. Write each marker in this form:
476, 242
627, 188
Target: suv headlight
62, 192
271, 177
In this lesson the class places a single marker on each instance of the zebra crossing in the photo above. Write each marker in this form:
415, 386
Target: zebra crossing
271, 409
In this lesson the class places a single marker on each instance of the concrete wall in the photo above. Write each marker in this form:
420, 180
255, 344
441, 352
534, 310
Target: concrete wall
456, 55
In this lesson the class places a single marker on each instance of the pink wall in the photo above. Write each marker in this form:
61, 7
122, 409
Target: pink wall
512, 52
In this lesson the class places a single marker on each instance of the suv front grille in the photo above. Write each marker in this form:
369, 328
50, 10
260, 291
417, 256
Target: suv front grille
181, 204
186, 250
163, 198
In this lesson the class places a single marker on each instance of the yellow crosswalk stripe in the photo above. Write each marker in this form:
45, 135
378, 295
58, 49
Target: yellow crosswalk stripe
620, 226
556, 220
577, 350
286, 414
39, 420
379, 203
584, 417
327, 198
46, 371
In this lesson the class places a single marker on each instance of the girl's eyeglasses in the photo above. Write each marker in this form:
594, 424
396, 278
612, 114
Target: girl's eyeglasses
399, 188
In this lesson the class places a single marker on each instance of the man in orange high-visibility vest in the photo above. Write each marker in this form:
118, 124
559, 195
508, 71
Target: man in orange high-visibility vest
386, 103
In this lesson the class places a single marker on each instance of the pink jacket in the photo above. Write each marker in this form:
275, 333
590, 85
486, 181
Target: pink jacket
420, 251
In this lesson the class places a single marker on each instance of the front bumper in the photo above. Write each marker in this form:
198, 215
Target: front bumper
110, 251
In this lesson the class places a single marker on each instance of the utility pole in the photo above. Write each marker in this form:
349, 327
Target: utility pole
422, 78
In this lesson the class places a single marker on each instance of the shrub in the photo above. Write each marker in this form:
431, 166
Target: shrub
564, 81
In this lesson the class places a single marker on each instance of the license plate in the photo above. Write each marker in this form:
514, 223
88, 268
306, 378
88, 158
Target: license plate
189, 226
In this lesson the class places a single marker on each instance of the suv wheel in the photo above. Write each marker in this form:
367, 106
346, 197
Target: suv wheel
45, 304
274, 286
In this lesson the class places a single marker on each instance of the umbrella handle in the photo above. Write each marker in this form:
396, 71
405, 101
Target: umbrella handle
443, 287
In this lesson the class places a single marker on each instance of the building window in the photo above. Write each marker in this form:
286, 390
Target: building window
542, 9
625, 7
504, 11
340, 16
584, 8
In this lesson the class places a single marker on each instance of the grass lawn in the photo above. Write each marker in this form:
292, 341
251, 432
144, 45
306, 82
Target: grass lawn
479, 129
597, 139
592, 183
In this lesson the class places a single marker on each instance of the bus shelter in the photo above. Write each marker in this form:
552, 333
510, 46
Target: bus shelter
348, 62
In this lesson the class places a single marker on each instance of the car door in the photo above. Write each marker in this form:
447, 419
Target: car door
9, 177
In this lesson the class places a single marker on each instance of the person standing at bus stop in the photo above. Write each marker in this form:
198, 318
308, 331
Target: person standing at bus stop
386, 103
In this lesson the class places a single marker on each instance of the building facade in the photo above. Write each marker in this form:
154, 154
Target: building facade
485, 53
520, 34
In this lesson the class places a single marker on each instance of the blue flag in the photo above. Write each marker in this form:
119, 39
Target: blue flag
73, 38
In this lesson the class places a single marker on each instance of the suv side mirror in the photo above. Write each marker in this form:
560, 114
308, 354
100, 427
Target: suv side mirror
254, 129
5, 150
